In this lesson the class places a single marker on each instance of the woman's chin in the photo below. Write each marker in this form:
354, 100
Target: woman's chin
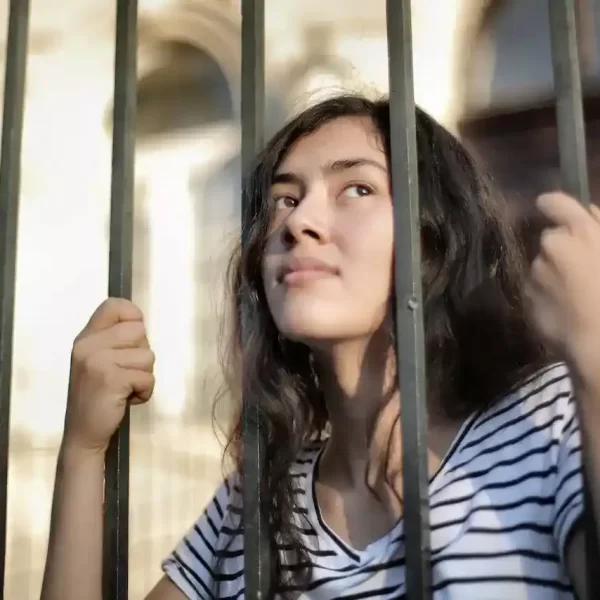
308, 333
310, 328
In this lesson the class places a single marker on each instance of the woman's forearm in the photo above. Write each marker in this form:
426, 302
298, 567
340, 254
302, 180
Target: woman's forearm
74, 563
587, 389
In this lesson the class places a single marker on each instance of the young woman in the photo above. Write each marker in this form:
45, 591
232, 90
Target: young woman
315, 281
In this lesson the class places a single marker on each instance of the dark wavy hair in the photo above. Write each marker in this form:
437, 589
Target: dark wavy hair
479, 343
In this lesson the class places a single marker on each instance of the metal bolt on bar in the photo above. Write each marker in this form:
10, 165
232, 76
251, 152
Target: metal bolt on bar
10, 180
257, 562
116, 525
410, 350
573, 162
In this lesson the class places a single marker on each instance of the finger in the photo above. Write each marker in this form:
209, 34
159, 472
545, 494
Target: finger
542, 274
554, 244
547, 325
129, 334
595, 210
542, 312
142, 385
140, 359
562, 210
111, 312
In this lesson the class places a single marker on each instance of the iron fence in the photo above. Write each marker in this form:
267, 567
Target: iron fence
409, 313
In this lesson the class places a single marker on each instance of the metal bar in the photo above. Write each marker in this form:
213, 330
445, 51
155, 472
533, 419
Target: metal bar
253, 80
569, 105
256, 544
410, 350
116, 525
573, 162
10, 180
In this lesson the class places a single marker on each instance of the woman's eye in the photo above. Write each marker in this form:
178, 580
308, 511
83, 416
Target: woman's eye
285, 202
357, 191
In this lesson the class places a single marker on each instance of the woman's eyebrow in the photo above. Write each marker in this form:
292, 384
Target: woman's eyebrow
290, 179
286, 178
349, 163
336, 166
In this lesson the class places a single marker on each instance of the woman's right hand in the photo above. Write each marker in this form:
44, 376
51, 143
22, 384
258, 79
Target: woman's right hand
111, 364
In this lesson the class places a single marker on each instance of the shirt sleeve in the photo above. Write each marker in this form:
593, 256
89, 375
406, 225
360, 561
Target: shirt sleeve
192, 564
568, 505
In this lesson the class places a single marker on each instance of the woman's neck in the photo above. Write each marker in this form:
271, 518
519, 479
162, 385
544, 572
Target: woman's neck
359, 380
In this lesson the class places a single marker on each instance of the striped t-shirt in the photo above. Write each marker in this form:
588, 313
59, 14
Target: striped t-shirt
503, 505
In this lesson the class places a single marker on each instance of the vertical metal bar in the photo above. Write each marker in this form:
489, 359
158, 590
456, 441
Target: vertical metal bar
256, 544
253, 80
573, 162
409, 307
116, 525
569, 105
10, 179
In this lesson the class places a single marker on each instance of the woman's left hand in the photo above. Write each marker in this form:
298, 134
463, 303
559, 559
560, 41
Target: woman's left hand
564, 288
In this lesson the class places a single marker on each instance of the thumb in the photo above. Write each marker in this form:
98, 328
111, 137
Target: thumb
141, 386
111, 312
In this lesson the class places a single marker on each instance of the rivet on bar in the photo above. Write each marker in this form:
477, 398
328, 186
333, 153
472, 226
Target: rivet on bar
409, 308
256, 547
10, 176
116, 530
573, 162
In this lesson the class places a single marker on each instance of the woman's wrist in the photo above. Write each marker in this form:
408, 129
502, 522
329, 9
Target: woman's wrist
75, 456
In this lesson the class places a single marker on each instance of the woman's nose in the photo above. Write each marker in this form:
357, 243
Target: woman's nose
307, 221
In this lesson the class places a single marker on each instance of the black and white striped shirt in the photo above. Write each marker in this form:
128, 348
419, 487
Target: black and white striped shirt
503, 505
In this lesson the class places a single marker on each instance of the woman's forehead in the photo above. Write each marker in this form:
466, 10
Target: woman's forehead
341, 139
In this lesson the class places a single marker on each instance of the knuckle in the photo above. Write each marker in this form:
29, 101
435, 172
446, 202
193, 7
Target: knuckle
79, 352
98, 366
536, 266
137, 330
114, 302
130, 331
122, 307
151, 357
111, 306
589, 230
109, 302
546, 241
151, 383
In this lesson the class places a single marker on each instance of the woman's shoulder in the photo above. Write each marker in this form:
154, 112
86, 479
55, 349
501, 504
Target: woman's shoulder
549, 389
227, 500
194, 564
211, 553
545, 397
555, 376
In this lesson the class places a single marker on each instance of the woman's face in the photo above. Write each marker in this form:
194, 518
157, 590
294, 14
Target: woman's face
327, 263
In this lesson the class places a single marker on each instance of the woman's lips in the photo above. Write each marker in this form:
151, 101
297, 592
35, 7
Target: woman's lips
306, 275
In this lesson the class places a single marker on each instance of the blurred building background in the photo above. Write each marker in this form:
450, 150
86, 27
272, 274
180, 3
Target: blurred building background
482, 67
